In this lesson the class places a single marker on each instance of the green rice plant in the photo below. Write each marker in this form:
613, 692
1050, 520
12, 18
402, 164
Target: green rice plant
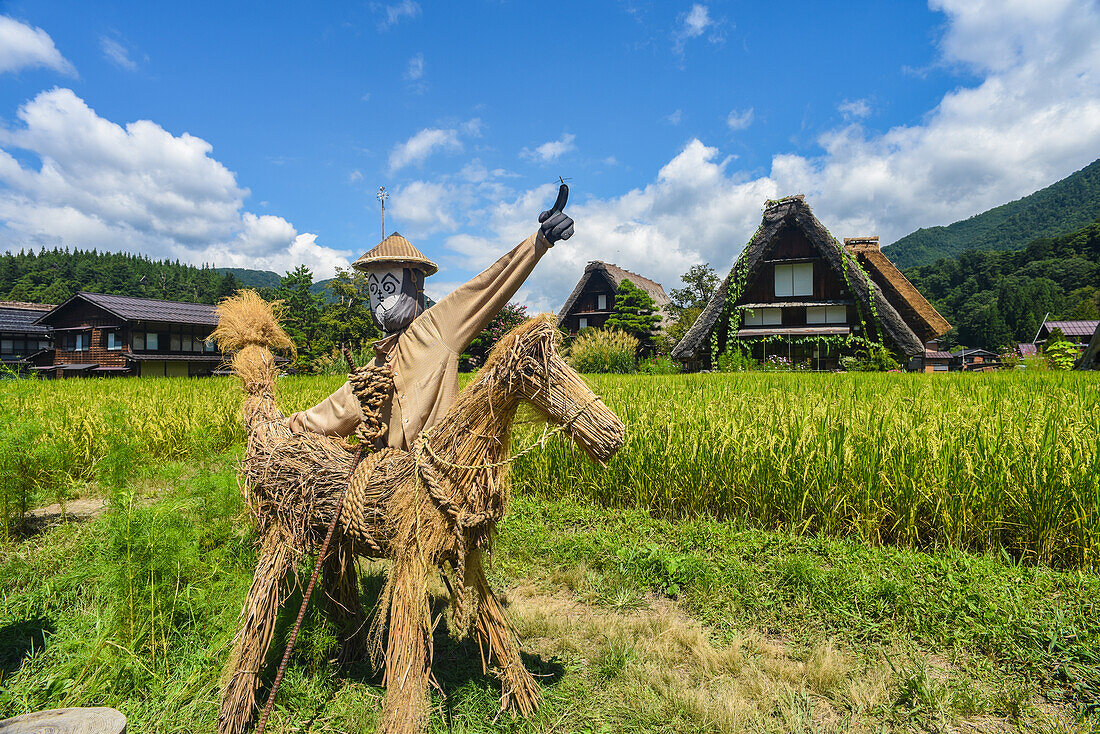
599, 350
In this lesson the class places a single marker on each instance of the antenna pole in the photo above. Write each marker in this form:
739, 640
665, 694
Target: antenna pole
382, 196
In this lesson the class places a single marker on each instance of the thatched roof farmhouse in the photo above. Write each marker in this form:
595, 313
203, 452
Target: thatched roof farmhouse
593, 298
797, 293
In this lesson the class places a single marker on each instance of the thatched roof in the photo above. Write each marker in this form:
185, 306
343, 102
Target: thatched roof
1090, 360
793, 211
615, 276
922, 316
396, 251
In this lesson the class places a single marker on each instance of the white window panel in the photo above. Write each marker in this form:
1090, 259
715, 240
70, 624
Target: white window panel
815, 315
139, 340
836, 314
794, 280
802, 277
187, 342
583, 323
754, 317
113, 341
152, 340
772, 316
784, 281
601, 302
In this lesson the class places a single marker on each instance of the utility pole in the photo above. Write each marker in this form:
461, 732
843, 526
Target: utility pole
382, 196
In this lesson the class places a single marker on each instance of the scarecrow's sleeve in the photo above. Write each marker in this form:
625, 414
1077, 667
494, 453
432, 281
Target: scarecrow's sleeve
461, 316
337, 415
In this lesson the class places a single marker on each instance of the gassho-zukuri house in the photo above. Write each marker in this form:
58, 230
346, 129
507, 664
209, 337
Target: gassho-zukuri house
593, 298
796, 293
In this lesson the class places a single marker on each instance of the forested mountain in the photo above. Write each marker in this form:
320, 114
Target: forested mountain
1061, 207
997, 298
253, 278
53, 276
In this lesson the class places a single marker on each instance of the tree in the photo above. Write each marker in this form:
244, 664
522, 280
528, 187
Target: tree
301, 309
699, 283
634, 313
511, 316
345, 319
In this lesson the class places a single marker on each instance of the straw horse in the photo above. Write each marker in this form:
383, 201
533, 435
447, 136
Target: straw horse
434, 507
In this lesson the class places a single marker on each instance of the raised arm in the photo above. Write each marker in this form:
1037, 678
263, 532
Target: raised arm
461, 316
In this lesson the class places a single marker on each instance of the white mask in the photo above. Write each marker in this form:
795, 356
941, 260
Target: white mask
385, 288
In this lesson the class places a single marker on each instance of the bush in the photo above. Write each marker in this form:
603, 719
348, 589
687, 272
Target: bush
660, 365
1062, 355
736, 360
603, 351
870, 358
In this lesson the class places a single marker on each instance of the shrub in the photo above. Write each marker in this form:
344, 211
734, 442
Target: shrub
603, 351
736, 360
660, 365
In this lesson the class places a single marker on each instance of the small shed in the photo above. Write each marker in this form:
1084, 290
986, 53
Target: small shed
1090, 360
593, 298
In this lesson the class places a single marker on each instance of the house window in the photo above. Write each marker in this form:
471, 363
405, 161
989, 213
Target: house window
75, 342
939, 368
582, 324
827, 314
114, 342
7, 346
764, 317
152, 341
794, 280
601, 302
187, 342
210, 345
139, 340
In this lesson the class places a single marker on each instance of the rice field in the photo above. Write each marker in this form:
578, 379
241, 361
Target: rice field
1006, 462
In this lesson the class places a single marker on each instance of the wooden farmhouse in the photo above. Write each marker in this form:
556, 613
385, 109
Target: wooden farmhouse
22, 341
593, 298
1078, 332
96, 334
1090, 359
796, 293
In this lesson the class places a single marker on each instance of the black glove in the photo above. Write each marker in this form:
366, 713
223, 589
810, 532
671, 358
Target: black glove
555, 224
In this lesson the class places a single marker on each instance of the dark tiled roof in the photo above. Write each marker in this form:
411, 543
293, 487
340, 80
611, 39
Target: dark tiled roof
150, 309
969, 352
175, 357
1072, 328
931, 354
20, 320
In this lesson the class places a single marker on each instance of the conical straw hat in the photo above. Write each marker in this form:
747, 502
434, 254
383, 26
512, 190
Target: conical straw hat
395, 251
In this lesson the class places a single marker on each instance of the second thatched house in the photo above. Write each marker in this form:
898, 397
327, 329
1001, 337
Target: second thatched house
796, 294
593, 298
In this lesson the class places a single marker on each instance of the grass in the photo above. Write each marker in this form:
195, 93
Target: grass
980, 462
635, 623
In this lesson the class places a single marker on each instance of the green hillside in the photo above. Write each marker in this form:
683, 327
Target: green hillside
998, 298
253, 278
1061, 207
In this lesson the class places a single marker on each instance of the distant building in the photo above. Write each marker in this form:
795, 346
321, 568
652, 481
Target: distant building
96, 334
935, 359
973, 360
800, 295
593, 298
1078, 332
22, 340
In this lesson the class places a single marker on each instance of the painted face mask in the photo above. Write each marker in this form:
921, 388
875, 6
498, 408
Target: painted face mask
395, 297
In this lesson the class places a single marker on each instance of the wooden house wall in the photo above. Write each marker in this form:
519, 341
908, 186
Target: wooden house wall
587, 303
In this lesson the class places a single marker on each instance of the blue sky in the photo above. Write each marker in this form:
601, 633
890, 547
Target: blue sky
258, 139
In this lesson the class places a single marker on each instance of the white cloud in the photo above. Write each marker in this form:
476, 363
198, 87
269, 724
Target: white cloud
423, 144
696, 21
25, 47
394, 14
415, 69
117, 54
675, 118
854, 109
136, 188
355, 176
739, 119
552, 150
693, 24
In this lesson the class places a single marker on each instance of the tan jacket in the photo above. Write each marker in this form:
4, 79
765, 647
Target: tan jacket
425, 355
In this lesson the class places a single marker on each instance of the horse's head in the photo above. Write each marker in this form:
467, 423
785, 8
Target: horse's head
526, 363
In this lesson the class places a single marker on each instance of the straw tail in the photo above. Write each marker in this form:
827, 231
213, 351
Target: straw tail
248, 328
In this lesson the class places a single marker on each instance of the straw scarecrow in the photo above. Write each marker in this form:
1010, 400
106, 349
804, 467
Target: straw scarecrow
431, 503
